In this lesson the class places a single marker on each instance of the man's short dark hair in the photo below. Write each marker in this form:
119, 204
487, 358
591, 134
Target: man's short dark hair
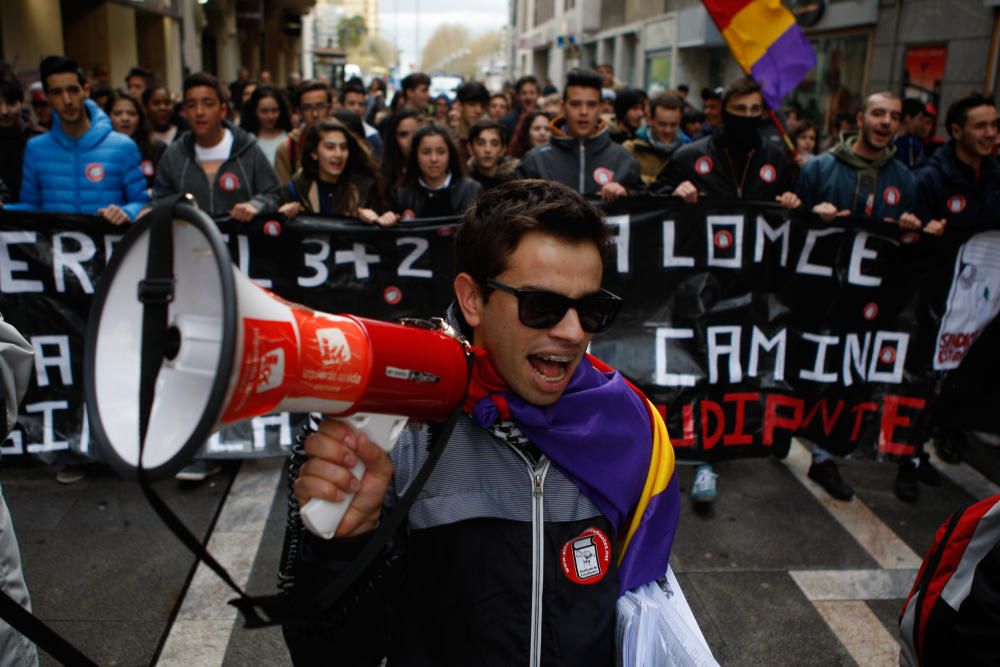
583, 78
684, 88
609, 66
912, 107
141, 72
308, 87
481, 126
413, 81
627, 100
352, 121
888, 94
710, 94
665, 100
11, 90
205, 79
472, 91
692, 116
739, 88
525, 80
959, 110
352, 86
494, 225
59, 65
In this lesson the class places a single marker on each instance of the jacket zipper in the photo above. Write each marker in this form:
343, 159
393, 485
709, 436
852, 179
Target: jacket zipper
538, 561
538, 473
583, 155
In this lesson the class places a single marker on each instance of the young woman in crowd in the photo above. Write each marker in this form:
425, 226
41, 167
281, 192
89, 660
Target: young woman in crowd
266, 116
442, 105
434, 184
398, 136
692, 122
127, 116
804, 137
499, 106
164, 123
337, 178
532, 130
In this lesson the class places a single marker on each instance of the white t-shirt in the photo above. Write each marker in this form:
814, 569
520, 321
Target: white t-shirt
217, 153
270, 146
166, 137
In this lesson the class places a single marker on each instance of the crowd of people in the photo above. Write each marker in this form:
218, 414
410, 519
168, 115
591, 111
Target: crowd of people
253, 147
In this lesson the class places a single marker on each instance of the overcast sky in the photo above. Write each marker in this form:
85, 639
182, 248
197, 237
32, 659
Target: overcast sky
478, 16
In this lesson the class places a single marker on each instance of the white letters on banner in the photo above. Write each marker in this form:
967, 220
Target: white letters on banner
9, 283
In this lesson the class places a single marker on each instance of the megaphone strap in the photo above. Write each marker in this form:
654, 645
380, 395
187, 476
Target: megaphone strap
155, 292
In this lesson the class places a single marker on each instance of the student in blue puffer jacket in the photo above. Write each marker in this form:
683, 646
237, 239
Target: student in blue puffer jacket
81, 165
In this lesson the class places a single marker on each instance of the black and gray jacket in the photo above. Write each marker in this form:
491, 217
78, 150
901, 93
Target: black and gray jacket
582, 164
246, 176
416, 201
492, 569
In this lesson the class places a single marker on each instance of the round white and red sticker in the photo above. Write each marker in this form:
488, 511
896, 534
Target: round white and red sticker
871, 311
768, 173
407, 215
723, 239
272, 228
704, 165
148, 168
956, 204
586, 558
392, 295
603, 175
887, 355
229, 182
891, 195
94, 172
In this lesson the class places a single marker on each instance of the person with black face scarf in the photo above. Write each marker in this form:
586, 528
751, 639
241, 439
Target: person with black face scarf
734, 162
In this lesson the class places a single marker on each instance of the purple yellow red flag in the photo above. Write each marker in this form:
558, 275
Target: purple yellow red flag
610, 442
767, 43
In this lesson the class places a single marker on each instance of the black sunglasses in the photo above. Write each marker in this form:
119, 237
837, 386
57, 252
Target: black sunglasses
540, 309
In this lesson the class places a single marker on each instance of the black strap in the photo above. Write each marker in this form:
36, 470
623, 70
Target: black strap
42, 635
274, 609
933, 561
156, 292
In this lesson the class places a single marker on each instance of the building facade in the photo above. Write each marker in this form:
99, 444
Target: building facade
933, 49
168, 37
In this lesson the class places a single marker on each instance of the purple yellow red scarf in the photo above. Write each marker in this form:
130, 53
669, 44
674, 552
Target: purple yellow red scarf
610, 441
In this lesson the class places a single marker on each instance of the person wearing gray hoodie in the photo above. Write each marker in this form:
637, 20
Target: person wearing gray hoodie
219, 164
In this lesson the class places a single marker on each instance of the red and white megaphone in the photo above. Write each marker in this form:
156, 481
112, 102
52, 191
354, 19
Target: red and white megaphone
230, 350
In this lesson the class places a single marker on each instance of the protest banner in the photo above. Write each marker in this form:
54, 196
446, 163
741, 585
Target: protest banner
745, 324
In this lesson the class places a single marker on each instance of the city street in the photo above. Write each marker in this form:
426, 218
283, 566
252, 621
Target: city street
776, 573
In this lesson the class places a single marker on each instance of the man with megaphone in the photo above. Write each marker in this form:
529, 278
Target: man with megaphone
556, 491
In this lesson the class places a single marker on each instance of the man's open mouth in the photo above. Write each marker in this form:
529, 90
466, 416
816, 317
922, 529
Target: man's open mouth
550, 367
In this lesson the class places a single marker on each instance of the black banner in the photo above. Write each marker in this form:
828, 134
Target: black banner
745, 324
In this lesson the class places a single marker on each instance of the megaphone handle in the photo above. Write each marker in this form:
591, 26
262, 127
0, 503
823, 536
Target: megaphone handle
321, 517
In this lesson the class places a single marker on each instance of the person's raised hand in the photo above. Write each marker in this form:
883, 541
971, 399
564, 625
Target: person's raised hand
827, 212
612, 191
935, 227
244, 212
114, 214
333, 450
788, 200
687, 191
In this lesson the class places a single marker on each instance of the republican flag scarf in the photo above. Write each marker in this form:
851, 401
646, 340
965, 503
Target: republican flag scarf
610, 441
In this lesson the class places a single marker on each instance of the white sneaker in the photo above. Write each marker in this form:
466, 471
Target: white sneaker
199, 470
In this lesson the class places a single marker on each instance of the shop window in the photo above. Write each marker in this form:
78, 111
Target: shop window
659, 66
923, 72
837, 83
